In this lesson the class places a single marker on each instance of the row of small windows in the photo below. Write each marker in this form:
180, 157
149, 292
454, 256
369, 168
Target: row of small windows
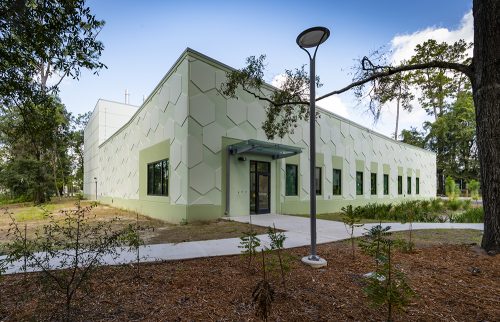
292, 182
158, 178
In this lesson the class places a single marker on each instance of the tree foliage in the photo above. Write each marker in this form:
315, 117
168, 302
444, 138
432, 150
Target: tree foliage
41, 43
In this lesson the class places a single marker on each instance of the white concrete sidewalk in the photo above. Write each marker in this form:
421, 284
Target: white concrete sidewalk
297, 232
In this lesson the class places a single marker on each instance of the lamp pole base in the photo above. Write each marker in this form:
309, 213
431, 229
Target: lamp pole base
314, 262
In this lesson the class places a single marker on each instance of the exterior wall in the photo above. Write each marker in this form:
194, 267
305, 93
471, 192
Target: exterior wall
188, 121
105, 120
216, 122
158, 130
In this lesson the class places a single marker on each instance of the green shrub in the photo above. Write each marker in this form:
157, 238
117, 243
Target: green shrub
466, 204
474, 189
454, 204
436, 205
473, 215
450, 187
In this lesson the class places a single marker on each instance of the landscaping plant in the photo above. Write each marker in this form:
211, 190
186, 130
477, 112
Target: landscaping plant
351, 220
263, 295
249, 243
474, 189
450, 188
277, 245
133, 240
67, 251
388, 286
374, 242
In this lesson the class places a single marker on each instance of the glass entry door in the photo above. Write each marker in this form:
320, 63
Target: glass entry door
260, 187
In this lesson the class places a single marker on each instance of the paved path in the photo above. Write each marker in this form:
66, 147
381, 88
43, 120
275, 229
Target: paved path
297, 232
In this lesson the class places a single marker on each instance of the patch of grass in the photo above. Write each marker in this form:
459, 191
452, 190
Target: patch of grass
30, 214
434, 237
337, 216
201, 230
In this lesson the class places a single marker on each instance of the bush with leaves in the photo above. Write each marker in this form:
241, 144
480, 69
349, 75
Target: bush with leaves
450, 188
67, 251
352, 220
472, 215
249, 243
388, 285
474, 189
282, 262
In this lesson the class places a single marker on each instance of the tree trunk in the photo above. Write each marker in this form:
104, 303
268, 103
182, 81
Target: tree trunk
486, 90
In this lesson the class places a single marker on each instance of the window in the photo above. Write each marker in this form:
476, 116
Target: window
359, 183
337, 182
408, 185
291, 180
417, 185
158, 178
386, 184
317, 180
400, 185
373, 183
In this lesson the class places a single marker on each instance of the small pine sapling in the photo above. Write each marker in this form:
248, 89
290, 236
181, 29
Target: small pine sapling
374, 241
412, 212
388, 286
263, 295
352, 220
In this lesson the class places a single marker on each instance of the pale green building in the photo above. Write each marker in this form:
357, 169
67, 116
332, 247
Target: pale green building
188, 153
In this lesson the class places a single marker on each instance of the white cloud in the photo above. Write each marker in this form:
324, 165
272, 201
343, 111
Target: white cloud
335, 105
403, 45
278, 80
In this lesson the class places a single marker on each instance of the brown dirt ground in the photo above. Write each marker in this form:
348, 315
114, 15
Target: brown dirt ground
220, 288
156, 231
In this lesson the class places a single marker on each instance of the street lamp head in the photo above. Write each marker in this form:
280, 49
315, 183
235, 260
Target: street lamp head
313, 37
95, 178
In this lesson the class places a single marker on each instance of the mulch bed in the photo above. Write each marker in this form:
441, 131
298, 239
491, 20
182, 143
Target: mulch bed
453, 283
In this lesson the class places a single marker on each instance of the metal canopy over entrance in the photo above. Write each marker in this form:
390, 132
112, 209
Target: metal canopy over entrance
274, 150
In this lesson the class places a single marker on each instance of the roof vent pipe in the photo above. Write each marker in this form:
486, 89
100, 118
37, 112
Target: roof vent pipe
127, 96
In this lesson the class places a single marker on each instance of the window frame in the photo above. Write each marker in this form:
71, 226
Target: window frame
296, 181
339, 171
400, 185
359, 193
164, 176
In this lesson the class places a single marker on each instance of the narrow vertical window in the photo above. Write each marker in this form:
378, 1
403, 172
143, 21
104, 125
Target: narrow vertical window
291, 180
417, 185
373, 183
408, 184
337, 182
359, 183
386, 184
317, 180
400, 185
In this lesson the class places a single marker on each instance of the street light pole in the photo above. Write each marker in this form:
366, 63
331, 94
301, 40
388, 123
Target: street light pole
312, 37
95, 178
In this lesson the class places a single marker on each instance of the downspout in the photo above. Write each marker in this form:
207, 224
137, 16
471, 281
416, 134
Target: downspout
228, 181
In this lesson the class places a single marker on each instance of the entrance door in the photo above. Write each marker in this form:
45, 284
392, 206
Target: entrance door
260, 187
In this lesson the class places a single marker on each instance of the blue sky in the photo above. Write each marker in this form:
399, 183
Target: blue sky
143, 39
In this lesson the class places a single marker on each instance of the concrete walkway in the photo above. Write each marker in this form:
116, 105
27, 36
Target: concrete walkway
297, 232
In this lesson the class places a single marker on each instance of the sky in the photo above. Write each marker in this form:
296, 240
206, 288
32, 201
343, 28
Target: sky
143, 39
